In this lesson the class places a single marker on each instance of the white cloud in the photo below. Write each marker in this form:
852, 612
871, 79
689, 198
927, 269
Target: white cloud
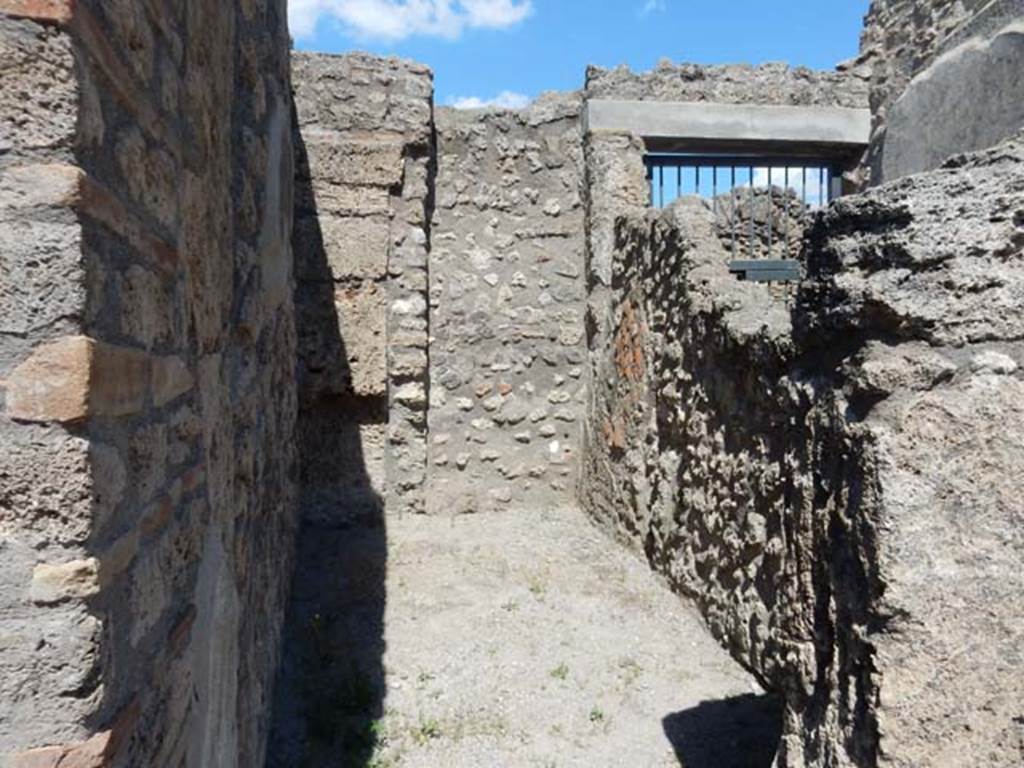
394, 20
496, 14
651, 6
504, 100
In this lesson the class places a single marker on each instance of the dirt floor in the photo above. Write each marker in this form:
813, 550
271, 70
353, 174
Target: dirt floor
518, 639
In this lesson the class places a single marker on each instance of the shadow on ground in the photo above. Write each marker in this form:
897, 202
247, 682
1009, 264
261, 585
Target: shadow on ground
739, 732
331, 684
329, 691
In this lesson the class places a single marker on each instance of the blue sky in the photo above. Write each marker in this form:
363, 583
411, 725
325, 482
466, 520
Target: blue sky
512, 50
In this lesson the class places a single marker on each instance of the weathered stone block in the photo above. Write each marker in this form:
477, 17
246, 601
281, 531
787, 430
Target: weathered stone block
369, 162
355, 247
408, 364
41, 272
40, 10
74, 580
392, 94
341, 199
362, 322
969, 99
40, 185
74, 378
146, 303
150, 174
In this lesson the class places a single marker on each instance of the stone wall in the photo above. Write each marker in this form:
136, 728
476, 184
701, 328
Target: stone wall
773, 83
506, 307
920, 285
615, 175
834, 487
364, 185
945, 78
691, 412
147, 354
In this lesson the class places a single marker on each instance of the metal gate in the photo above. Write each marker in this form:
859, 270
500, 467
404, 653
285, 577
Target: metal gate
759, 201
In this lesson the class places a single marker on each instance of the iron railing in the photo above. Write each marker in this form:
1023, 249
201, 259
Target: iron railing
759, 201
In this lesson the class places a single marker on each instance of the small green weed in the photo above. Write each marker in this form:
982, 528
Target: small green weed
426, 731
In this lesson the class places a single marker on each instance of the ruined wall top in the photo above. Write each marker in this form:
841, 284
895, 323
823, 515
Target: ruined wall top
549, 107
361, 92
900, 39
772, 83
944, 79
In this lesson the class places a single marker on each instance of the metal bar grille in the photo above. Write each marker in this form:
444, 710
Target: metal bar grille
758, 201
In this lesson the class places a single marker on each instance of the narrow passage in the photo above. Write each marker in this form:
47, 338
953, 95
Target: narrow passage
525, 638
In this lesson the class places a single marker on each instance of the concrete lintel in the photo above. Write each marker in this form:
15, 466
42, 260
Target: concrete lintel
705, 123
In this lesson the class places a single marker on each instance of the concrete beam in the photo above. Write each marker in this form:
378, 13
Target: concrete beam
704, 125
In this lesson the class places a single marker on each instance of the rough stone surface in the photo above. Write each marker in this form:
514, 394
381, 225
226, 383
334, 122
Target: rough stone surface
507, 303
364, 146
900, 47
614, 171
477, 301
970, 98
834, 485
774, 83
147, 349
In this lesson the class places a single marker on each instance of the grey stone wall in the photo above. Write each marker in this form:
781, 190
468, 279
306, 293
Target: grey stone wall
834, 486
506, 307
147, 353
945, 79
772, 83
615, 175
364, 185
691, 402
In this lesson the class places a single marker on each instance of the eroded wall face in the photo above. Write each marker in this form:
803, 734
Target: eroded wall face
148, 359
945, 79
709, 470
48, 493
932, 384
506, 308
364, 186
833, 485
732, 84
615, 184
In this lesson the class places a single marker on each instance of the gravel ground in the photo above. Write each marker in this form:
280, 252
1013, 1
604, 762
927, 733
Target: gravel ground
517, 639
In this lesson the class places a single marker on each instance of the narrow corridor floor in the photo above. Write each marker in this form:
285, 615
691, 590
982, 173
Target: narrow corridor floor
519, 639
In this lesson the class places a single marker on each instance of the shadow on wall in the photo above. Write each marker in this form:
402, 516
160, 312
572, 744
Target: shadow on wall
740, 732
330, 686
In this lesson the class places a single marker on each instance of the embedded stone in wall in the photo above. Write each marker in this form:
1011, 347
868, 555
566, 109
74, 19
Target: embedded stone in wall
74, 580
357, 247
342, 248
341, 200
76, 377
171, 379
38, 90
